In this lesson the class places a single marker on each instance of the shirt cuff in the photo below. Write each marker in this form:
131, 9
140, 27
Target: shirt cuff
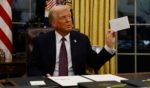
110, 50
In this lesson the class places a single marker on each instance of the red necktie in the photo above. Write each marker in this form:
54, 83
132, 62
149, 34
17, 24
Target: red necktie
63, 61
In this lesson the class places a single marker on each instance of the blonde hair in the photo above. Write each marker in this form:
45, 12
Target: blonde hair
55, 9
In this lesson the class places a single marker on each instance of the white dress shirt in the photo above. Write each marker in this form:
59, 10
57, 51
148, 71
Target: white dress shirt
67, 44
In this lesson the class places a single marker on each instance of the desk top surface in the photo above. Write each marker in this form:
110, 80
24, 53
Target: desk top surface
25, 82
135, 76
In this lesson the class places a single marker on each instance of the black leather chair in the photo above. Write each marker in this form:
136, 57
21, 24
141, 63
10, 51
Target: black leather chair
31, 33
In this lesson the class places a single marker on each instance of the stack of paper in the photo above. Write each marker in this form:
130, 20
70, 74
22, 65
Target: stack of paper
69, 80
105, 77
74, 80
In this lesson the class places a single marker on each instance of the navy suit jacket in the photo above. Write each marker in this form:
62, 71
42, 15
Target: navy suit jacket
43, 58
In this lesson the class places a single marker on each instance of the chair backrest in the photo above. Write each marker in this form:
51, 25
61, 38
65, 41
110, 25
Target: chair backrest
31, 34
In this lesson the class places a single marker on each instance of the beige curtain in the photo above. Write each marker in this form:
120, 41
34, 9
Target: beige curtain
92, 18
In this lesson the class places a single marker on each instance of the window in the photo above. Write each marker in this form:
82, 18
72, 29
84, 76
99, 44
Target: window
134, 44
22, 11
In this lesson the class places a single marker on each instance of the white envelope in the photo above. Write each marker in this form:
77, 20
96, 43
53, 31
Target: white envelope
119, 24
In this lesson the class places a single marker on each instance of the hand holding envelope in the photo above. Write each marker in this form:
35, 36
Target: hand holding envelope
110, 38
116, 25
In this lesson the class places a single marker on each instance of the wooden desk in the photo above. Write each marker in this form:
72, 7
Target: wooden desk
140, 76
13, 69
49, 83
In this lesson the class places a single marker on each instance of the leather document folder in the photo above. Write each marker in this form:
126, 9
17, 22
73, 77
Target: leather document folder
103, 84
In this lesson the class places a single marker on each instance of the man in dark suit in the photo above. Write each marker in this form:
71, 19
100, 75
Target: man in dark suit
45, 56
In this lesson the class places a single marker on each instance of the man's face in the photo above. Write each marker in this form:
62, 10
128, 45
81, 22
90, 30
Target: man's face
63, 21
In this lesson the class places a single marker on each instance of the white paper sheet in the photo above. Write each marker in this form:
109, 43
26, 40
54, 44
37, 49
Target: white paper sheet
39, 82
105, 77
119, 24
69, 80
